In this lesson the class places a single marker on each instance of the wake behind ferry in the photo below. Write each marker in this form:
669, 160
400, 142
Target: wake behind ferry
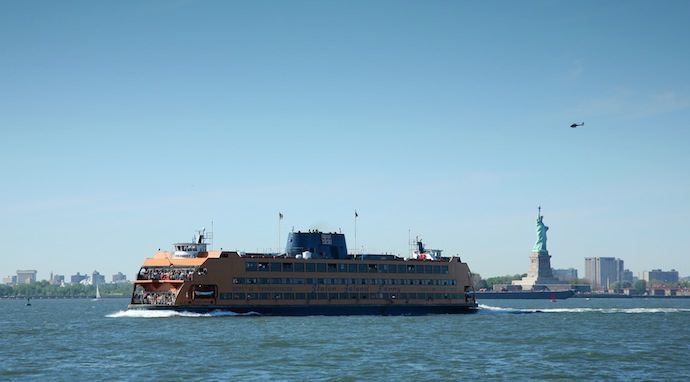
315, 276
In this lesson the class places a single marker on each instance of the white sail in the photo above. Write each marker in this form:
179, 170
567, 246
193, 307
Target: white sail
98, 292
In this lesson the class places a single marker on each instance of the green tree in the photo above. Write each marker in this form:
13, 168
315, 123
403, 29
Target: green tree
640, 286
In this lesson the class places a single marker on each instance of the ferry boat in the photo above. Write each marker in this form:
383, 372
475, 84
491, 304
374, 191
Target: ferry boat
314, 276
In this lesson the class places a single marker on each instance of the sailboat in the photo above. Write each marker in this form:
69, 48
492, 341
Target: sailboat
98, 294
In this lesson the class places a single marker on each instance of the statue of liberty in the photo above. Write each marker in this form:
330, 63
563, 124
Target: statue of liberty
540, 245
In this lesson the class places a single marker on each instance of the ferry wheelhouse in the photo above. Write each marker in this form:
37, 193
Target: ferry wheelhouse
315, 276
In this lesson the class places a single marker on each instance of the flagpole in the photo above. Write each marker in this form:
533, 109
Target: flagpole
356, 234
280, 217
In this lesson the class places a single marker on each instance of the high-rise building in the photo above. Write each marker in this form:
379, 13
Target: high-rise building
602, 272
628, 276
97, 278
76, 279
26, 277
660, 276
568, 275
9, 280
119, 278
57, 279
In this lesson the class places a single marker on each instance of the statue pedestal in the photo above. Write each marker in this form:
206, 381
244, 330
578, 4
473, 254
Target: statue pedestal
539, 272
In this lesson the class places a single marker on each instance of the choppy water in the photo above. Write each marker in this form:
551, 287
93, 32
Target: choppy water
575, 339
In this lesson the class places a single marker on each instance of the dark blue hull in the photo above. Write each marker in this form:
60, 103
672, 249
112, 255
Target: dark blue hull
322, 310
543, 295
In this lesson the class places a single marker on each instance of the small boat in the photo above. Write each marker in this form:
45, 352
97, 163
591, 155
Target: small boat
28, 301
98, 294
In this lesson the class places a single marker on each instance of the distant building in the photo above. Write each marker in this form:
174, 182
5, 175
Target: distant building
26, 277
119, 278
569, 274
97, 278
660, 276
602, 272
76, 279
9, 280
57, 279
628, 276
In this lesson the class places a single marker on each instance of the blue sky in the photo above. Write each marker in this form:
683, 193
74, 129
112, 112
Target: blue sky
128, 125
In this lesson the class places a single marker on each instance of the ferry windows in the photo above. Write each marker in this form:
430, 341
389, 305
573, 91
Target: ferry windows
287, 267
263, 281
311, 281
289, 296
344, 296
263, 296
342, 267
299, 296
373, 268
311, 267
362, 268
428, 269
319, 281
437, 269
419, 269
332, 296
299, 267
252, 281
250, 266
444, 269
323, 296
311, 296
251, 296
402, 268
262, 267
352, 268
275, 267
321, 267
332, 267
225, 296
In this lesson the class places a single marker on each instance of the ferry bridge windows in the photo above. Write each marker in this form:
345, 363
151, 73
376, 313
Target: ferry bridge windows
262, 267
444, 269
342, 267
275, 267
321, 267
311, 267
437, 269
250, 266
362, 268
332, 267
373, 268
287, 267
352, 268
299, 267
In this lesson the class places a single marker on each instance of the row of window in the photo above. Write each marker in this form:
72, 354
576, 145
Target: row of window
334, 281
253, 266
339, 296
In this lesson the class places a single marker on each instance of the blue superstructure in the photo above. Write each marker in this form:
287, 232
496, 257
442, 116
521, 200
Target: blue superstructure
319, 245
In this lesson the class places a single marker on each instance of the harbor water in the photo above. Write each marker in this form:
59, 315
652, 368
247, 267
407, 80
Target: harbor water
575, 339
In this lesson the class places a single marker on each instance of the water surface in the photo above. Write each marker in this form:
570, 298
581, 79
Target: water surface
575, 339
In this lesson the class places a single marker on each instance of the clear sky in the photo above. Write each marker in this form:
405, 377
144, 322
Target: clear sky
126, 125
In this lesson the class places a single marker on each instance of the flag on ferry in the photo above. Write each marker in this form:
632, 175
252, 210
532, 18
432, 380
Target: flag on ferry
280, 215
356, 213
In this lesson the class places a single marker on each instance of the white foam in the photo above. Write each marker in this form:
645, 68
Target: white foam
142, 313
584, 310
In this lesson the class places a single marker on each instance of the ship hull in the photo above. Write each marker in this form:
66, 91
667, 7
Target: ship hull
322, 310
542, 295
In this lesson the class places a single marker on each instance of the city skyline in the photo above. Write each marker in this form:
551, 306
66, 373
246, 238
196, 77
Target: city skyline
127, 126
